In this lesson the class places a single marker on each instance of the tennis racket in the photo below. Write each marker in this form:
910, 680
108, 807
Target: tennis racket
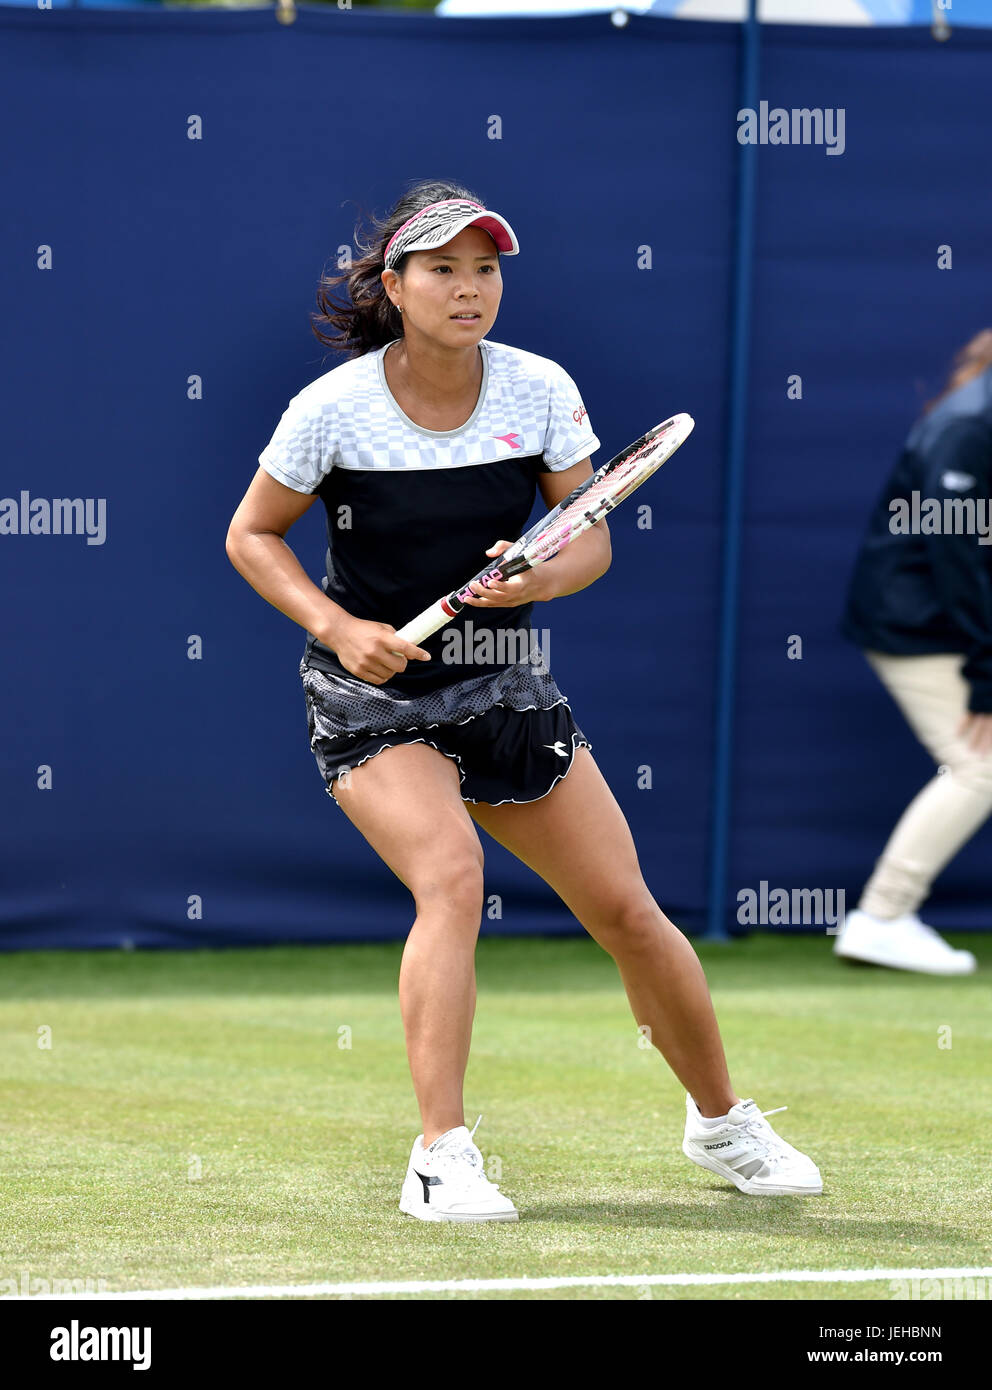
582, 508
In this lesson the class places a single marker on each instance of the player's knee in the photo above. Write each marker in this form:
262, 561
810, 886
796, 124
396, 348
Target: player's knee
631, 923
453, 884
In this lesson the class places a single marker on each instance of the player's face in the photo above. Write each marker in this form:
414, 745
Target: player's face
460, 278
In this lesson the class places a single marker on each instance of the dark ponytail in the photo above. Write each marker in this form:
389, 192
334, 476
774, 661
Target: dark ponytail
370, 319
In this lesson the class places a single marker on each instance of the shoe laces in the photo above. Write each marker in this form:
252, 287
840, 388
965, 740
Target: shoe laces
759, 1127
454, 1159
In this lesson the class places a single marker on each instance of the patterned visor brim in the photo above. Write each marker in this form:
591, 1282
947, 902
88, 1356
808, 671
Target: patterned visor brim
439, 223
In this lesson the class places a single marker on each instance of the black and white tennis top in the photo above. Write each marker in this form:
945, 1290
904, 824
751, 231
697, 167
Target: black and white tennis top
411, 511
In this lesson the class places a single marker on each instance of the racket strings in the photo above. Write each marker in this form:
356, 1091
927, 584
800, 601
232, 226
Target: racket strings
607, 489
599, 497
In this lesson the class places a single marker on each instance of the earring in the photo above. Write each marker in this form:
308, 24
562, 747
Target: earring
399, 308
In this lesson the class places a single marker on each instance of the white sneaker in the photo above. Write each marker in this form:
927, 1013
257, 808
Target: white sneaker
902, 943
447, 1182
747, 1151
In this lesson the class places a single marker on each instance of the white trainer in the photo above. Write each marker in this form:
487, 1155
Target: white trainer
447, 1182
746, 1151
902, 943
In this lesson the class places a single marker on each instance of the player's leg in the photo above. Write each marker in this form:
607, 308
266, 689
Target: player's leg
577, 839
406, 803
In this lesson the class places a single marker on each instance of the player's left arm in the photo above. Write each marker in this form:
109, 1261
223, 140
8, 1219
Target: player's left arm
581, 562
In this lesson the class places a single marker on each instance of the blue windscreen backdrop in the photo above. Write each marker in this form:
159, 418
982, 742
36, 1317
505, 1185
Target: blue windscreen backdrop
176, 182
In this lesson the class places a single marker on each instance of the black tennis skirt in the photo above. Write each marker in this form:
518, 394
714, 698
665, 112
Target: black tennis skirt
510, 733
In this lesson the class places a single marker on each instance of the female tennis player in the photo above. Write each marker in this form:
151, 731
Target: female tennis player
427, 447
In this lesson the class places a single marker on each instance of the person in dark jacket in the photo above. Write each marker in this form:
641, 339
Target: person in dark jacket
920, 608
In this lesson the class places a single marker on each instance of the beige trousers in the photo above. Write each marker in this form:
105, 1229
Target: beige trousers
933, 696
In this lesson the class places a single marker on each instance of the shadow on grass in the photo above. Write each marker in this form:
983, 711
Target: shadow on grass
790, 1216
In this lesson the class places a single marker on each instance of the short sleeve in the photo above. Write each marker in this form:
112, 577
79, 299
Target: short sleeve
294, 455
569, 436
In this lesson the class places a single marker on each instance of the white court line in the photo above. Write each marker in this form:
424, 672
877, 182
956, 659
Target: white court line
591, 1281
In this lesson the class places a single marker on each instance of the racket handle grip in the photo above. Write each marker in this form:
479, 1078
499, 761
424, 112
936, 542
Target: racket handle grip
426, 623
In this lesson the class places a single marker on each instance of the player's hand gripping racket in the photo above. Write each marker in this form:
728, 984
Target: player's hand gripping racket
582, 508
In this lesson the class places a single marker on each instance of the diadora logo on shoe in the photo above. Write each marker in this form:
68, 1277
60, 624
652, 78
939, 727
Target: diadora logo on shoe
512, 439
428, 1184
723, 1144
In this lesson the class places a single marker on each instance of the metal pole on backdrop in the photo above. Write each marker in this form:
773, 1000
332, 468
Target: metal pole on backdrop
747, 158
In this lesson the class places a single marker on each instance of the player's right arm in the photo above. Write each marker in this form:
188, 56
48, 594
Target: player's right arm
257, 549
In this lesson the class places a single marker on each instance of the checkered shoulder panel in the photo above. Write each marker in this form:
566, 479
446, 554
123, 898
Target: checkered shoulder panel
528, 405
